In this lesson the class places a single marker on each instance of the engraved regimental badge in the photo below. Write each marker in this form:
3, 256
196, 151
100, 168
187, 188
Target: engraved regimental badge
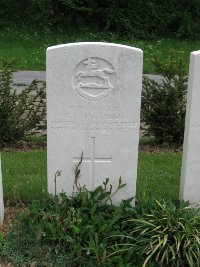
94, 78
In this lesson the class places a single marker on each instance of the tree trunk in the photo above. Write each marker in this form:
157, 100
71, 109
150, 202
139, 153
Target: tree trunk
1, 196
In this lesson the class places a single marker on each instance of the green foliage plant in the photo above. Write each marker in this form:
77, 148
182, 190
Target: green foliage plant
166, 234
75, 229
179, 19
19, 112
164, 104
88, 230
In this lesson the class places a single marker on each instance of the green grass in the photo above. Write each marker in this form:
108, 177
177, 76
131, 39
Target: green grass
25, 175
158, 175
28, 46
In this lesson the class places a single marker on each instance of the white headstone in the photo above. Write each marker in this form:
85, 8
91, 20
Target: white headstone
1, 196
93, 104
190, 180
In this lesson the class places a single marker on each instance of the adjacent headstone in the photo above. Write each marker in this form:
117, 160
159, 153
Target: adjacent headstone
190, 180
1, 196
93, 104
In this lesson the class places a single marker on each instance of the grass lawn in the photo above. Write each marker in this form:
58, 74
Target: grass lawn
159, 175
25, 175
28, 46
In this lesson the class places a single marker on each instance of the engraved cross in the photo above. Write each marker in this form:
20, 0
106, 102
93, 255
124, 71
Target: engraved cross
92, 159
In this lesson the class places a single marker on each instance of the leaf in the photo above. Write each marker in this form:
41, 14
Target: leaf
141, 221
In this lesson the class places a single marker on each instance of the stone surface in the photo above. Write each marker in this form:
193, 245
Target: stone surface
1, 196
190, 180
93, 104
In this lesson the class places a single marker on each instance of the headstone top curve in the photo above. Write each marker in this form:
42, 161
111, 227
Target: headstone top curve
195, 53
94, 44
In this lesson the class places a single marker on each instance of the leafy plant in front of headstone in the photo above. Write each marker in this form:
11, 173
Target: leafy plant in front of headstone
84, 230
164, 104
75, 229
166, 234
106, 195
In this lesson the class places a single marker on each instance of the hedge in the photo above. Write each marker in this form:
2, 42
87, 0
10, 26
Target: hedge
135, 18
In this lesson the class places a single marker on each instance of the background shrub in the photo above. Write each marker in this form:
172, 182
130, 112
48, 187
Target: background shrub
20, 112
164, 104
136, 18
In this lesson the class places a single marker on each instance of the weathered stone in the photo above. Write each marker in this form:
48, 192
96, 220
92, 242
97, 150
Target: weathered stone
93, 103
190, 180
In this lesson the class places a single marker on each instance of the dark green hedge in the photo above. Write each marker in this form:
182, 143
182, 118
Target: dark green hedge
137, 18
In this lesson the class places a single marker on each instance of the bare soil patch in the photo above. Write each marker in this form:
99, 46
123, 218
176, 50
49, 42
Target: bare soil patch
9, 217
37, 145
26, 146
151, 148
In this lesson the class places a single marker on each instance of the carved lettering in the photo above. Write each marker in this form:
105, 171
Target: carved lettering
94, 126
